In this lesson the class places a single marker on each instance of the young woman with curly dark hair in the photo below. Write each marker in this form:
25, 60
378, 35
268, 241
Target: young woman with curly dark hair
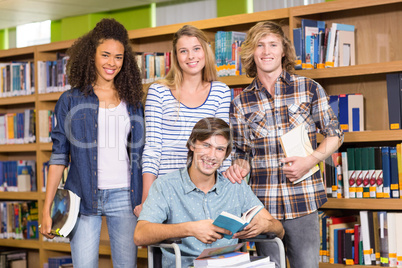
100, 131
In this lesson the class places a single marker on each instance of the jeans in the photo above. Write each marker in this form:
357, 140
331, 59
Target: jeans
84, 240
302, 242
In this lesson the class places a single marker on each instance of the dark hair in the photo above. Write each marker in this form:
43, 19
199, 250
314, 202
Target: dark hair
206, 128
81, 69
254, 35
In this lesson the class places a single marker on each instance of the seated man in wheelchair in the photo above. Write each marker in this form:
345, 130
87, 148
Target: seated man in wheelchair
184, 203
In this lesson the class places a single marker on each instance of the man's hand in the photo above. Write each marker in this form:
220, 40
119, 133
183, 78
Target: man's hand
206, 232
295, 167
137, 210
262, 223
237, 171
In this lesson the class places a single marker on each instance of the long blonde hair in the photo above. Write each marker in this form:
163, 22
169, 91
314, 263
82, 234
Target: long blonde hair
174, 78
257, 32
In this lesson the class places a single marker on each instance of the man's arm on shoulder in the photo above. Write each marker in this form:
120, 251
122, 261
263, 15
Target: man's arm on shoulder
262, 223
148, 233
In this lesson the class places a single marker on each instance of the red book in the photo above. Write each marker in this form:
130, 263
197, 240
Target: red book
356, 243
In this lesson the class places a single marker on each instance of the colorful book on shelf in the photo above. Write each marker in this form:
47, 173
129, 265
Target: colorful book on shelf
332, 48
376, 237
297, 143
64, 212
337, 160
320, 25
234, 223
383, 235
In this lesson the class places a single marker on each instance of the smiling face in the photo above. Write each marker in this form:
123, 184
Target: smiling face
190, 55
208, 155
108, 60
268, 55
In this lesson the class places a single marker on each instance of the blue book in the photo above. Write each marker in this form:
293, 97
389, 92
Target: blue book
344, 112
234, 223
394, 185
297, 41
386, 171
334, 103
55, 262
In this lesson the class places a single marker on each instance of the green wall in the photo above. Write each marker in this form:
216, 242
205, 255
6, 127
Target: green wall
74, 27
230, 7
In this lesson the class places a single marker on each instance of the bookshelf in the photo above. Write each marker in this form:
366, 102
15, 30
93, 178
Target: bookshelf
378, 52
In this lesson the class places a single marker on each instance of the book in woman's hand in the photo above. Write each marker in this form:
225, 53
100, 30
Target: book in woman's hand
64, 212
234, 223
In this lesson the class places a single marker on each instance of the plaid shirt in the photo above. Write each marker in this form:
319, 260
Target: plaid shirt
258, 120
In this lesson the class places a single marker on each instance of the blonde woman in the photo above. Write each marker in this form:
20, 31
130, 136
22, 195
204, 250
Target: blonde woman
174, 105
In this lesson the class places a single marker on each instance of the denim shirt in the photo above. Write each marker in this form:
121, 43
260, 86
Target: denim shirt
75, 136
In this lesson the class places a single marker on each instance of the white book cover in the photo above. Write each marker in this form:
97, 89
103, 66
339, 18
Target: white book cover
391, 219
356, 112
297, 143
365, 234
345, 173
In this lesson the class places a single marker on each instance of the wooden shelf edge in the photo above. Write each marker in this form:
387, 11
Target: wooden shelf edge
27, 147
19, 195
54, 96
363, 204
338, 5
17, 51
26, 243
370, 136
355, 70
213, 23
17, 100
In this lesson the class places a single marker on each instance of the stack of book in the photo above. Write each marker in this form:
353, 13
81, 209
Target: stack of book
318, 46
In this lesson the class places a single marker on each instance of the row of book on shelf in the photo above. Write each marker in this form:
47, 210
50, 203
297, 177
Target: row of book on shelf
318, 46
18, 176
227, 52
17, 78
17, 127
19, 220
369, 238
153, 65
52, 75
367, 172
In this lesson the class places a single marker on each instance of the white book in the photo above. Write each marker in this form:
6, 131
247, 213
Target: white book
365, 234
345, 174
391, 220
297, 143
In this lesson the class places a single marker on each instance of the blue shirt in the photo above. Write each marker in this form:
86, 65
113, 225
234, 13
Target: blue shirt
173, 198
75, 139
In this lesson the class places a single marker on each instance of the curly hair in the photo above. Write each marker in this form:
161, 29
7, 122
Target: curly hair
81, 70
257, 32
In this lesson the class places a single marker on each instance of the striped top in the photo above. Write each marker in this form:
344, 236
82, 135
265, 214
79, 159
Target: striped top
169, 125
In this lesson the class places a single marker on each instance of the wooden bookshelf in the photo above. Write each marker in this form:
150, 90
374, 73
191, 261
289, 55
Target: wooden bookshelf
378, 39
